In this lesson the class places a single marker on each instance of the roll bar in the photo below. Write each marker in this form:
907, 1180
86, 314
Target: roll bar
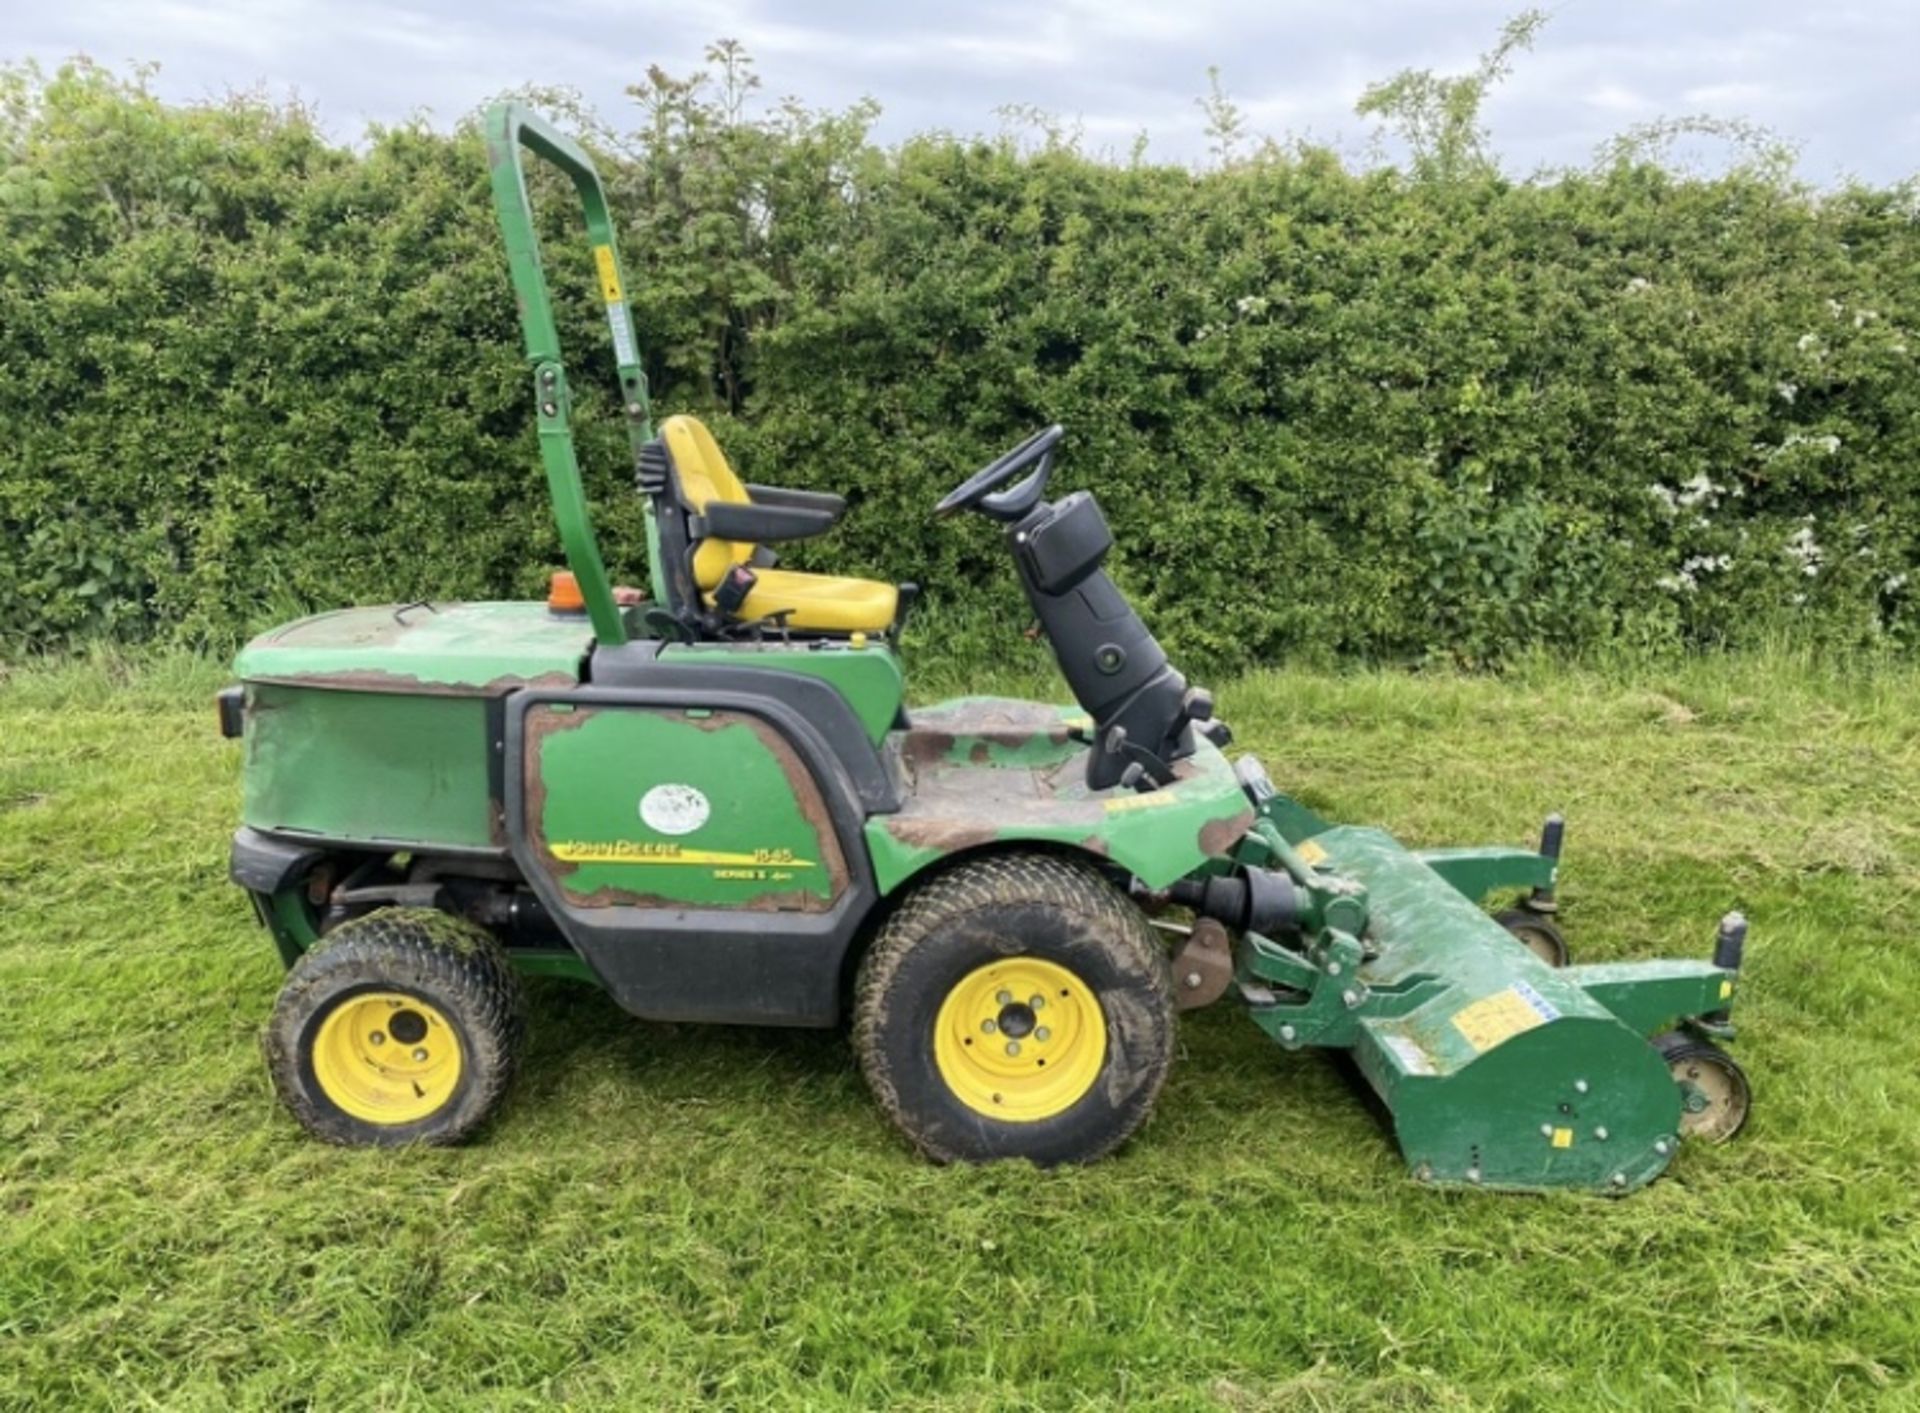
509, 128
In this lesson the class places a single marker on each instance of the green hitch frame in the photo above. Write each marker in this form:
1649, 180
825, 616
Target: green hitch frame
509, 129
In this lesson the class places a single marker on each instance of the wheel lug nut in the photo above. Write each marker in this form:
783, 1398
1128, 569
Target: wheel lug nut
420, 1055
1013, 1047
377, 1038
1036, 1002
1043, 1034
988, 1026
1004, 998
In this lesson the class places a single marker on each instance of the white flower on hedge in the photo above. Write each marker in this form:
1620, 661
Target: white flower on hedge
1638, 283
1681, 583
1252, 305
1836, 308
1669, 502
1803, 547
1864, 317
1788, 391
1895, 584
1827, 444
1707, 564
1807, 343
1700, 488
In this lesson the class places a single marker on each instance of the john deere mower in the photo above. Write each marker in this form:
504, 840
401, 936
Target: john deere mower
712, 801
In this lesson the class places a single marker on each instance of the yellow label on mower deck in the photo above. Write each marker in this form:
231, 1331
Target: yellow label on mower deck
1563, 1138
1312, 854
609, 273
1496, 1019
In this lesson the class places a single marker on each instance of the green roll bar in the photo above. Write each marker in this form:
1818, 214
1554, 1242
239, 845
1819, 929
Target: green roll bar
509, 127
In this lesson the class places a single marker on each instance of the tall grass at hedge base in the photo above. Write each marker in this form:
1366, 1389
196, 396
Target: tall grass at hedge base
1331, 413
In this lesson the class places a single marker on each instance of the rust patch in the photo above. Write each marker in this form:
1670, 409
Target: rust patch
811, 803
541, 724
610, 897
946, 835
1202, 966
399, 684
1094, 844
1219, 835
980, 754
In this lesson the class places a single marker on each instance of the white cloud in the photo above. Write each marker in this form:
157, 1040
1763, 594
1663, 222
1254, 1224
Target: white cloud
1834, 77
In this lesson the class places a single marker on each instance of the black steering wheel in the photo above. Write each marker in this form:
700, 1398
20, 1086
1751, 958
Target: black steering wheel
976, 492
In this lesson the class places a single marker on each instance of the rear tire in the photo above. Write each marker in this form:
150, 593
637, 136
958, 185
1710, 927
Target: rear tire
403, 1026
990, 973
1536, 934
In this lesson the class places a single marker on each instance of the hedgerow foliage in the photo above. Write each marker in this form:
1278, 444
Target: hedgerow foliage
1395, 412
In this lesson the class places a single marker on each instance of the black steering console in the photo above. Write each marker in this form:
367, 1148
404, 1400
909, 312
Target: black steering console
1144, 713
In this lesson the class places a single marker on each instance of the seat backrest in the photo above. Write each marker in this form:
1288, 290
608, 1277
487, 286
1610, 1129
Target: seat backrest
703, 474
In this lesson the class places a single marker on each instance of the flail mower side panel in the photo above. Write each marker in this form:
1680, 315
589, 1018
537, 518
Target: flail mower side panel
1498, 1070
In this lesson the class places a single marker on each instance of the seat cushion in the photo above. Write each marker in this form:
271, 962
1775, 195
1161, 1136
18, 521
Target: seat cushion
822, 603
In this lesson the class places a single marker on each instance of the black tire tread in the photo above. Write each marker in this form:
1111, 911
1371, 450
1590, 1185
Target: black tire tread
983, 883
457, 963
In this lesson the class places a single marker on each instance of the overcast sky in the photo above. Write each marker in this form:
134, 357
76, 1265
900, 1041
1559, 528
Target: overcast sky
1836, 77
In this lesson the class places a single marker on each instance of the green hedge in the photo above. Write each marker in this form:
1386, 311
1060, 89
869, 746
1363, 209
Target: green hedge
1329, 411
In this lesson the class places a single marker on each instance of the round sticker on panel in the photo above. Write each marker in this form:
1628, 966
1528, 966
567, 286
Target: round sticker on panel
674, 809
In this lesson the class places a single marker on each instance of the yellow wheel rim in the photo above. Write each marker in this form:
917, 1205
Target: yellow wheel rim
386, 1057
1020, 1040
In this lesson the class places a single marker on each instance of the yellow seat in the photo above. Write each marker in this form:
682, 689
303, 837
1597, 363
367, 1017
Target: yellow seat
820, 603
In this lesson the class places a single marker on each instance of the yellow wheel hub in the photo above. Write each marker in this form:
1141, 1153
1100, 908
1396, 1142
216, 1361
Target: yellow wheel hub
1020, 1039
386, 1057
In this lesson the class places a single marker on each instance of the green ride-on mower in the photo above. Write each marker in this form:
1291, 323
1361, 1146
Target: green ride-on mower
713, 802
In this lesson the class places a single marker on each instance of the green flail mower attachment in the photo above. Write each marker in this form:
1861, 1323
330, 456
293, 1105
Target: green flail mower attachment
1499, 1068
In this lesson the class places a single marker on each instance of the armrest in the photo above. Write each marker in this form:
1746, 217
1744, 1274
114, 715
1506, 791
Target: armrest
761, 523
799, 500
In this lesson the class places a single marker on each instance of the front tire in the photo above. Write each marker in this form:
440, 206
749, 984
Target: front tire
403, 1026
1016, 1007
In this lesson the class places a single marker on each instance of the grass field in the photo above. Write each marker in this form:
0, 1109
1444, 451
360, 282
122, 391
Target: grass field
669, 1216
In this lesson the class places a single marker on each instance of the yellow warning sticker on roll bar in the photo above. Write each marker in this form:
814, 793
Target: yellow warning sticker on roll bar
609, 273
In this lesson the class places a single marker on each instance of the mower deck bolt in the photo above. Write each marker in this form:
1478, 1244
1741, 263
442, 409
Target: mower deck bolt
1351, 997
1473, 1175
1579, 1086
1546, 1130
1660, 1146
1601, 1133
1287, 1032
1333, 968
1619, 1179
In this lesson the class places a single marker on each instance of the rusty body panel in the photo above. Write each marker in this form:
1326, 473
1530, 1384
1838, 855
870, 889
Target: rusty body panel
665, 807
984, 771
451, 649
